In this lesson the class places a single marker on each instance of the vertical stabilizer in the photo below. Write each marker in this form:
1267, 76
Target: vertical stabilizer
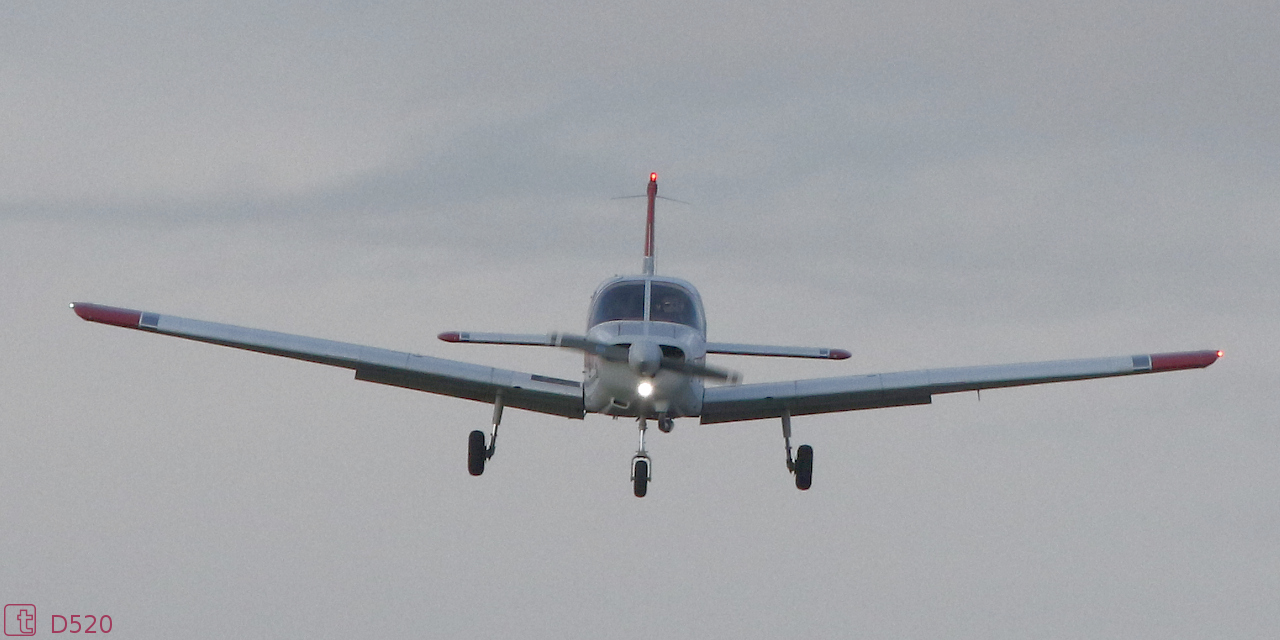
648, 227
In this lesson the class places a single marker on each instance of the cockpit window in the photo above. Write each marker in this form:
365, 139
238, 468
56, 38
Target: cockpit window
671, 304
620, 302
625, 301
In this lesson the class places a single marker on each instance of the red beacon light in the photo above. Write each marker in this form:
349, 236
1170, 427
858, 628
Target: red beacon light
653, 177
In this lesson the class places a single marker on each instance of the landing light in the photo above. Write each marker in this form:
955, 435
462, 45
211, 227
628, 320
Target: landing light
645, 389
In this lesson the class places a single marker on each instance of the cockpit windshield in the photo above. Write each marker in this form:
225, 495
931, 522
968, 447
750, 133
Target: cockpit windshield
622, 301
671, 304
625, 301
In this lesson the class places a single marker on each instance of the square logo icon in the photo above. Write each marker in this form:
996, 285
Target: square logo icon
19, 619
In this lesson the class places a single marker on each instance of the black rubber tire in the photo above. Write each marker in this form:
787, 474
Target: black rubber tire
477, 453
804, 467
641, 470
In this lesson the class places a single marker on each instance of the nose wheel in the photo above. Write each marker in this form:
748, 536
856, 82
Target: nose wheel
640, 475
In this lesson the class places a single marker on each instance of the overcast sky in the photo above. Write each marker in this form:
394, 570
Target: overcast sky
922, 183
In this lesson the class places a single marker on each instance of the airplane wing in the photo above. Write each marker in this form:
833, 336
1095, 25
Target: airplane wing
559, 340
524, 339
435, 375
848, 393
735, 349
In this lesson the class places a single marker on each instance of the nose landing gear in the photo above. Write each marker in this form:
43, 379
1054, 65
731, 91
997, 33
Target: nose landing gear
640, 464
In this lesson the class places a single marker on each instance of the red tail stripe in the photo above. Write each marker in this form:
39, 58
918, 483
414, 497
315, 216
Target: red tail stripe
648, 231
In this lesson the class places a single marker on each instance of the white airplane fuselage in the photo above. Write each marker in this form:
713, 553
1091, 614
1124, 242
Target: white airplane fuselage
653, 317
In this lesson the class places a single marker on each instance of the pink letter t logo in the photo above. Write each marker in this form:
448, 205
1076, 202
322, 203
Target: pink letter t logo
19, 619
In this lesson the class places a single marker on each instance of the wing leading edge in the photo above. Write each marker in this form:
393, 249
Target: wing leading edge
564, 397
847, 393
397, 368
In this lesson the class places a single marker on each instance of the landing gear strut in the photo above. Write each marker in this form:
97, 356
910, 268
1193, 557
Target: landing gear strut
477, 452
640, 464
802, 465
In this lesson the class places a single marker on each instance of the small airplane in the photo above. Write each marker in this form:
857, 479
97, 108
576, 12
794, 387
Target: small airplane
645, 352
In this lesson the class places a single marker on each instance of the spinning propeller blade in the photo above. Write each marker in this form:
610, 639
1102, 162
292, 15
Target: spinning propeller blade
620, 353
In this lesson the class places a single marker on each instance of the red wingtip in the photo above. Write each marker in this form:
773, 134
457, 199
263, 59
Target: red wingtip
450, 336
1183, 360
839, 354
107, 315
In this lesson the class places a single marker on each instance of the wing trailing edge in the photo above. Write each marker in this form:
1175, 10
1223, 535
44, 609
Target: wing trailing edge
542, 394
871, 391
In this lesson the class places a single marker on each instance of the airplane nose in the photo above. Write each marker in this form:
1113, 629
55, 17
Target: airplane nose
645, 358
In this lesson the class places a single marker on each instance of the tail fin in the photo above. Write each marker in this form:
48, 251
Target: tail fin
648, 228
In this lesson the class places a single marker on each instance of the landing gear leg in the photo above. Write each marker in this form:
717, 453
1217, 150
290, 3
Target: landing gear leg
802, 465
477, 452
640, 465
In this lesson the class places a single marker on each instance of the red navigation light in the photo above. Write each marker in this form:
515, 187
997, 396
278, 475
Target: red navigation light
653, 177
1219, 354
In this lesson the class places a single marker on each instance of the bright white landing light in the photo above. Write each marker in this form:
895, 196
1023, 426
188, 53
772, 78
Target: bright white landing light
645, 389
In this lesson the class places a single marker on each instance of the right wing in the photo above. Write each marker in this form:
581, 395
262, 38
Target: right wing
848, 393
397, 368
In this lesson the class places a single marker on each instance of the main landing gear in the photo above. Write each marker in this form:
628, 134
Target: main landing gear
802, 465
477, 452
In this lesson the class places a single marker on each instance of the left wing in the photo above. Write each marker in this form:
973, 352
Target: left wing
525, 339
397, 368
735, 349
847, 393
